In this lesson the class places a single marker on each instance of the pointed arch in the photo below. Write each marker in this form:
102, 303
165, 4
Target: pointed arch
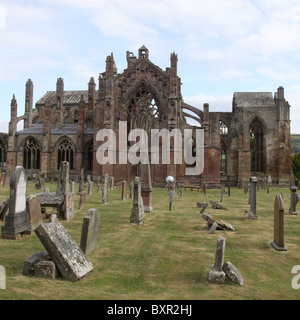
31, 149
257, 131
65, 150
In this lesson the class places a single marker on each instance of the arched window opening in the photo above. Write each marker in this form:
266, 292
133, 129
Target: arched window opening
65, 153
223, 164
31, 154
3, 152
257, 147
142, 111
90, 156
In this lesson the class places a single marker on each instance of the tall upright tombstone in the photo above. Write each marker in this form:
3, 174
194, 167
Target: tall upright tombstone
124, 195
105, 182
137, 211
253, 184
81, 181
146, 186
63, 183
294, 200
17, 220
278, 243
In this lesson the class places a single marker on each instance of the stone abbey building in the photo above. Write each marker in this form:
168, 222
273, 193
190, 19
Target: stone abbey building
252, 139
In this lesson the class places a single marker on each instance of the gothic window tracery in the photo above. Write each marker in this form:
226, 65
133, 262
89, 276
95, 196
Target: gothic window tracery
257, 147
31, 154
65, 153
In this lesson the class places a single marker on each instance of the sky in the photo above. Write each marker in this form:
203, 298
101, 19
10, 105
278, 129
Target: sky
223, 46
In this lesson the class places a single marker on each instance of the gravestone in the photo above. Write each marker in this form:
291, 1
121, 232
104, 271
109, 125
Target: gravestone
66, 254
294, 200
46, 269
204, 188
81, 181
252, 213
269, 180
69, 206
34, 209
90, 187
88, 179
112, 183
216, 273
124, 196
105, 182
63, 181
17, 220
131, 187
99, 187
137, 211
73, 187
29, 264
264, 183
216, 205
278, 243
89, 233
82, 200
228, 191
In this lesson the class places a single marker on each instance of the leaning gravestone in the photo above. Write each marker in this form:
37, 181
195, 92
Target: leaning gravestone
278, 243
35, 212
17, 220
81, 181
68, 206
68, 257
137, 211
89, 233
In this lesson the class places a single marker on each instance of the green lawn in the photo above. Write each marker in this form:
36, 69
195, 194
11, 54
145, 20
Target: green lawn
169, 256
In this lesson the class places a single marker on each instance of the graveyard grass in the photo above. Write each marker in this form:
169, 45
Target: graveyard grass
169, 255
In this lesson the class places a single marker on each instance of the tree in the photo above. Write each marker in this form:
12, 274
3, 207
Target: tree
296, 166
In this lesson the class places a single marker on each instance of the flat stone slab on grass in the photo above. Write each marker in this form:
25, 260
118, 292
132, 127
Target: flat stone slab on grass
220, 223
216, 205
68, 257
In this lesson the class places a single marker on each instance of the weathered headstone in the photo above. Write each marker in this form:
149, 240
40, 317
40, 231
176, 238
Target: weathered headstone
228, 191
294, 200
216, 273
204, 188
278, 243
221, 224
216, 205
269, 180
105, 182
68, 257
131, 188
69, 206
29, 264
90, 187
63, 182
89, 233
137, 211
112, 183
232, 273
124, 195
88, 178
34, 209
17, 220
252, 213
46, 269
82, 200
81, 181
73, 187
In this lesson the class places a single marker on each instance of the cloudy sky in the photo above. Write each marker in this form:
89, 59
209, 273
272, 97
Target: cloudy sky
223, 46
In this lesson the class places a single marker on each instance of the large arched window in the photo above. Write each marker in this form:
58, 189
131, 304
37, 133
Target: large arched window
257, 147
31, 154
65, 153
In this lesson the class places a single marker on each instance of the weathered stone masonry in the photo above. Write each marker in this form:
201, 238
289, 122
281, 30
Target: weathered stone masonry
252, 139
